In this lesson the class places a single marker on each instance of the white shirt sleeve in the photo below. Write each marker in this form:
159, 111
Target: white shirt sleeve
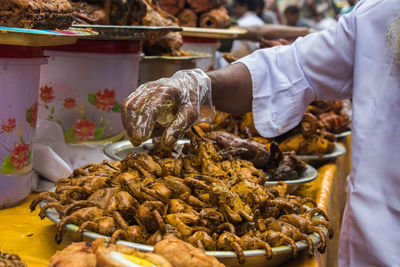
287, 78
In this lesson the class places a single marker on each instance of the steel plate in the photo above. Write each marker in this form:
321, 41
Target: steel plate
344, 134
252, 257
112, 32
338, 151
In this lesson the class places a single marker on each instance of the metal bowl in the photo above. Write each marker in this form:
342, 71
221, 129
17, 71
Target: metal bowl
342, 135
338, 151
140, 33
252, 257
121, 149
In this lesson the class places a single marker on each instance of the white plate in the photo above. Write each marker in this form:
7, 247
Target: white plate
344, 134
120, 149
338, 151
253, 257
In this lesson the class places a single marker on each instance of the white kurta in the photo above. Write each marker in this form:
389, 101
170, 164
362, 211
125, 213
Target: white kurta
350, 60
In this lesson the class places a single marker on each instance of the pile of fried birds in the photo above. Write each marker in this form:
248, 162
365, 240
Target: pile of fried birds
313, 136
167, 253
198, 13
10, 259
205, 197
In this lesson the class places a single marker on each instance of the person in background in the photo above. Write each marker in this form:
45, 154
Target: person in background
293, 17
323, 22
265, 14
245, 11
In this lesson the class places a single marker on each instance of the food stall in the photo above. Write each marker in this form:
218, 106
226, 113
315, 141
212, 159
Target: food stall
201, 202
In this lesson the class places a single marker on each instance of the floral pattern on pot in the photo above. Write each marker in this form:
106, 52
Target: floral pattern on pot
84, 130
9, 126
69, 103
105, 100
46, 94
31, 115
20, 154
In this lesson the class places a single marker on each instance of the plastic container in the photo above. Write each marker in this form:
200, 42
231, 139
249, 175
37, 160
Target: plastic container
83, 86
19, 79
202, 45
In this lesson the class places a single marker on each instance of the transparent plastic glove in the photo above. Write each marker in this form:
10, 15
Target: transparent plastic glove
174, 103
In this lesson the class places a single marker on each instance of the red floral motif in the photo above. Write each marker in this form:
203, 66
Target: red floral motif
19, 155
105, 100
69, 103
33, 118
46, 94
84, 130
10, 126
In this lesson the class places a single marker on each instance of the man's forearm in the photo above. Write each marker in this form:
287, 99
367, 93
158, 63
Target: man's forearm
232, 89
270, 32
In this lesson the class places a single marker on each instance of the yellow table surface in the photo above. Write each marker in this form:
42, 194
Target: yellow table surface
23, 232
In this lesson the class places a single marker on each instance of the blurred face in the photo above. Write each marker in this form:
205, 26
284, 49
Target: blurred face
292, 19
239, 10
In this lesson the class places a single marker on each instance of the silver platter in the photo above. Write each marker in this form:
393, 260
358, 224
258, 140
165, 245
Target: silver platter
342, 135
120, 149
253, 257
139, 33
338, 151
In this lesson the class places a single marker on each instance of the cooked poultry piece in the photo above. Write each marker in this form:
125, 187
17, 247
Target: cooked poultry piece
213, 200
10, 259
173, 7
109, 12
200, 6
229, 57
101, 254
38, 14
187, 18
182, 254
217, 18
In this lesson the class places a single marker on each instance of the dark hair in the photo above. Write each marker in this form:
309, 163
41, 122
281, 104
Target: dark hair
292, 9
251, 4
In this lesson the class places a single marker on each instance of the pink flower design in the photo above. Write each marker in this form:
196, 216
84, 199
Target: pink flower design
19, 155
46, 94
10, 126
69, 103
105, 100
84, 130
33, 117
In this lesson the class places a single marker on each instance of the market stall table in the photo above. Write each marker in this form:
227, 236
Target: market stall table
23, 232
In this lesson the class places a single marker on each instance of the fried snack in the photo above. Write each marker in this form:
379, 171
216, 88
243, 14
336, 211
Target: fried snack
187, 18
182, 254
216, 18
171, 43
105, 12
229, 57
200, 6
205, 196
173, 7
101, 254
39, 14
75, 255
10, 259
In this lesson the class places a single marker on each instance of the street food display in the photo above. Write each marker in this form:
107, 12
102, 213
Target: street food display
101, 254
332, 115
38, 14
10, 259
198, 13
309, 138
206, 197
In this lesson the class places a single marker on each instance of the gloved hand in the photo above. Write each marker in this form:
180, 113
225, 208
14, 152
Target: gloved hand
171, 102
